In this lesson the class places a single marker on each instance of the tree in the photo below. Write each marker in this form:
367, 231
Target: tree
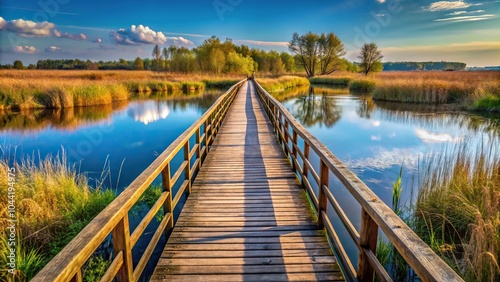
330, 49
317, 52
370, 58
138, 64
18, 65
164, 53
276, 65
288, 61
157, 56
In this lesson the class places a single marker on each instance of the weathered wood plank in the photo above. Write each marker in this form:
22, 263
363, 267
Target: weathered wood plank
246, 217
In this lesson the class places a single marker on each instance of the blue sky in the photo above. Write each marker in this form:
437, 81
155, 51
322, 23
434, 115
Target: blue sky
467, 31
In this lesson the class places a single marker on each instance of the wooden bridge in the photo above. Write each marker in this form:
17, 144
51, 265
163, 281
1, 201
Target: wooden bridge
259, 208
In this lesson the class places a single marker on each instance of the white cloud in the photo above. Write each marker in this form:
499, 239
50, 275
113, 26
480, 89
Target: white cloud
78, 36
138, 34
36, 29
465, 18
464, 12
27, 28
180, 41
448, 5
429, 137
52, 49
457, 13
261, 43
381, 1
375, 137
25, 49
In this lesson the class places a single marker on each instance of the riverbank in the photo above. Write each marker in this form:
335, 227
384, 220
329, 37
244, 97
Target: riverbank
282, 83
477, 91
457, 210
52, 203
36, 89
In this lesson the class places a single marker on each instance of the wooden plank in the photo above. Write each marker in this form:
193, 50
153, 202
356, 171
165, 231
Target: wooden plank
248, 269
332, 276
246, 217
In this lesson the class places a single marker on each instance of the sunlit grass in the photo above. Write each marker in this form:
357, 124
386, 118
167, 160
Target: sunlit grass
282, 83
30, 89
458, 210
53, 203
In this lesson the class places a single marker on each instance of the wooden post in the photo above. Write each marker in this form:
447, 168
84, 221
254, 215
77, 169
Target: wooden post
322, 199
77, 277
305, 168
121, 243
187, 170
198, 150
286, 133
294, 149
167, 205
367, 239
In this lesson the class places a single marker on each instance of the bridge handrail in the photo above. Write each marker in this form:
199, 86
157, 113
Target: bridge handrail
67, 264
375, 213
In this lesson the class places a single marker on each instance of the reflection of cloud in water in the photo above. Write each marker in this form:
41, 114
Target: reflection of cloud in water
148, 111
382, 158
376, 123
429, 137
376, 137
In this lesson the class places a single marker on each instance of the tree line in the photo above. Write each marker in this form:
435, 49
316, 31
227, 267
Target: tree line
411, 66
316, 54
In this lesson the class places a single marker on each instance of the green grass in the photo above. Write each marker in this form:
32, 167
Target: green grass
220, 84
340, 81
282, 83
54, 203
362, 85
458, 210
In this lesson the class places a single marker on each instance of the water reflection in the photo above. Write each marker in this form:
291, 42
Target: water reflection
148, 111
145, 111
313, 109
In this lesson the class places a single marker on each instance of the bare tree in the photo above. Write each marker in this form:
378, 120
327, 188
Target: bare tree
370, 58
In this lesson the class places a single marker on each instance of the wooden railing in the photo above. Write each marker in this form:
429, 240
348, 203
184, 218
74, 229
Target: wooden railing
375, 213
67, 265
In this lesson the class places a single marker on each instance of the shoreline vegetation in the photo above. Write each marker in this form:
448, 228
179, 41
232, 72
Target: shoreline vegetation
53, 204
282, 83
31, 89
476, 91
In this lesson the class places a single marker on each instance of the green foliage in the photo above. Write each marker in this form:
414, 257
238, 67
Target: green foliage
28, 261
397, 188
55, 203
138, 64
364, 85
458, 212
370, 58
95, 268
340, 81
318, 52
489, 103
18, 65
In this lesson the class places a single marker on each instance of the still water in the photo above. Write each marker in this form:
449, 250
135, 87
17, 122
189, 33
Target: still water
120, 138
374, 139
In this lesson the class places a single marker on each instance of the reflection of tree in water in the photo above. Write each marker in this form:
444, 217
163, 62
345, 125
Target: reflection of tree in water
366, 107
73, 118
311, 110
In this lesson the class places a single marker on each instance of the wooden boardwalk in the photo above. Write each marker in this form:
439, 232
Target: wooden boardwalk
246, 218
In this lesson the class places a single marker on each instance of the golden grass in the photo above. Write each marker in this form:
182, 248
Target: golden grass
29, 89
458, 210
282, 83
52, 204
461, 87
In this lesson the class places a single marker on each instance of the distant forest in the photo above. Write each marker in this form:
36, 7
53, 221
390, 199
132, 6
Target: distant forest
289, 66
412, 66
